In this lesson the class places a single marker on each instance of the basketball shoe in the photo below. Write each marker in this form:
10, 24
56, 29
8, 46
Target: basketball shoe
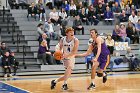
53, 84
91, 86
105, 78
65, 87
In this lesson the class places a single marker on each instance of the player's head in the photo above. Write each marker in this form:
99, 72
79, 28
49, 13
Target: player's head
69, 31
93, 33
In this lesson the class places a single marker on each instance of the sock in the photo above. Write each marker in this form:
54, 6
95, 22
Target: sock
104, 74
65, 82
56, 81
92, 81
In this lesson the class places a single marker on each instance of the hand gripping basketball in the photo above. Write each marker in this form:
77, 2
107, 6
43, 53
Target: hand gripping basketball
58, 55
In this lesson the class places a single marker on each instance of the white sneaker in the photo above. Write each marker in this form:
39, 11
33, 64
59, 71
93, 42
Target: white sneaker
5, 76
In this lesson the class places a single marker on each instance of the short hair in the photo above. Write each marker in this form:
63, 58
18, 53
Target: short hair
39, 24
69, 29
96, 32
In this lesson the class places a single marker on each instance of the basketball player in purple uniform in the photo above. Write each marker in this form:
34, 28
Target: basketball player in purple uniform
101, 59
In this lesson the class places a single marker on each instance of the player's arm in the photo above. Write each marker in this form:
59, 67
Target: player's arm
74, 50
61, 44
99, 42
88, 52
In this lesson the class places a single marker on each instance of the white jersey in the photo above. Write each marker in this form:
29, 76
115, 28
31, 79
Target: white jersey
68, 46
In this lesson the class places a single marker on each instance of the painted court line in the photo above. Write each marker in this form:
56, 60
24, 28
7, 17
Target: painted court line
7, 88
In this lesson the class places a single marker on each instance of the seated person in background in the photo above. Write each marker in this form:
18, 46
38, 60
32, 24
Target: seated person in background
123, 33
123, 17
49, 3
13, 4
110, 43
77, 24
108, 16
116, 10
115, 34
23, 3
131, 33
138, 14
100, 11
14, 62
127, 10
46, 38
83, 16
6, 64
44, 54
41, 10
137, 25
92, 16
32, 11
40, 30
73, 9
3, 49
133, 18
49, 28
54, 17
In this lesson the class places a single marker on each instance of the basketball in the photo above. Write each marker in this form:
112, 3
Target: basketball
58, 55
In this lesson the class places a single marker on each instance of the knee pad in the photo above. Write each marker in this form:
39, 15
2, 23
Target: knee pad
99, 74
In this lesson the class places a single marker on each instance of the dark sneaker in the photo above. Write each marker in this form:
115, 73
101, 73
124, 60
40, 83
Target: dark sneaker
91, 86
65, 87
53, 84
105, 78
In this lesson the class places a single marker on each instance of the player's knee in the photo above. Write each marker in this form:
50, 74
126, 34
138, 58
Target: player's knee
99, 74
69, 67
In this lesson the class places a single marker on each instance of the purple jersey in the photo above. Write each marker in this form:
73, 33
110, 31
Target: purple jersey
103, 57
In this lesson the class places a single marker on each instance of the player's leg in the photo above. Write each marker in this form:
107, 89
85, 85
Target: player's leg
93, 73
102, 71
69, 66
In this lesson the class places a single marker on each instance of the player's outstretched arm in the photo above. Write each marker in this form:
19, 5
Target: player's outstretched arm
88, 52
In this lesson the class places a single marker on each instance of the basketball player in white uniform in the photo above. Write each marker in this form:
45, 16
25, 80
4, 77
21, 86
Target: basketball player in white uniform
69, 44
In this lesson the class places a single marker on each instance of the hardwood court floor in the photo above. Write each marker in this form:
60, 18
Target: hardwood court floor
121, 83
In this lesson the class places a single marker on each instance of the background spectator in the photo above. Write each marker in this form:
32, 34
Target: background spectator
44, 54
115, 34
14, 62
13, 4
23, 3
41, 10
54, 17
133, 18
32, 11
123, 34
49, 3
123, 17
138, 27
83, 17
92, 16
110, 43
6, 64
49, 28
77, 24
131, 33
73, 9
108, 16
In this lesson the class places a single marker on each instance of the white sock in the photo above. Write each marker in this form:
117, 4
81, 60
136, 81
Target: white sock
56, 81
65, 82
104, 74
92, 81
